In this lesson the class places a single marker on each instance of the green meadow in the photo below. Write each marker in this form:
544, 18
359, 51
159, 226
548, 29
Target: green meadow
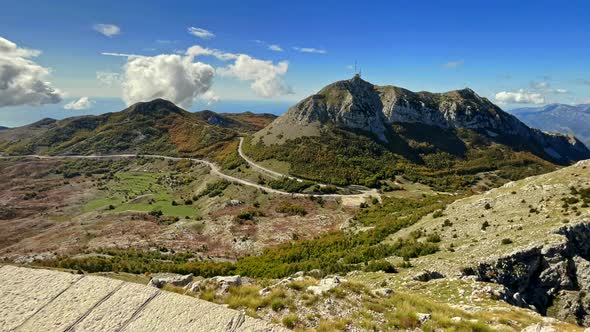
140, 191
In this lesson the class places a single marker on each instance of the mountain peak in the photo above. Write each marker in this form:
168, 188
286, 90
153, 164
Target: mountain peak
361, 106
157, 106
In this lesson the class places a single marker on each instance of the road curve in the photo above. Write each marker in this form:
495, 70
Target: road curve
215, 170
263, 169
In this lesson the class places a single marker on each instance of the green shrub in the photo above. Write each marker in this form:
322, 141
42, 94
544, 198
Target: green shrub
291, 209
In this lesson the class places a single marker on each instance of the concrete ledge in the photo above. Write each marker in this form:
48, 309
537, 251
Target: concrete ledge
44, 300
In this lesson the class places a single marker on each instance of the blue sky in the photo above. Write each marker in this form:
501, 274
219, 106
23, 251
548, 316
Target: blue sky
516, 53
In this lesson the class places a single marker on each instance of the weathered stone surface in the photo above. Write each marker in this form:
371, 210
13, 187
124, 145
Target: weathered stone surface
325, 285
117, 310
539, 328
173, 312
383, 291
171, 279
42, 300
224, 283
71, 305
26, 291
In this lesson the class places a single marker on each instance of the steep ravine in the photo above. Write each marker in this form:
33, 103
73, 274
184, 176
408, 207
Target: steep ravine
553, 279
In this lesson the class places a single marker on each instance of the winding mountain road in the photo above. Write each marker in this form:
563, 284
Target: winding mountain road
263, 169
215, 170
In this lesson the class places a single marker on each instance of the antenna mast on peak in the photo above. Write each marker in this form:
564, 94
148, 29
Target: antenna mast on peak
356, 73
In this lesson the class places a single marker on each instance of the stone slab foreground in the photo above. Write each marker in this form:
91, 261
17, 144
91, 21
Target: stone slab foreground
44, 300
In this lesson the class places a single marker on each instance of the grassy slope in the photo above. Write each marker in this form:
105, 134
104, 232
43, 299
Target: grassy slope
447, 160
156, 127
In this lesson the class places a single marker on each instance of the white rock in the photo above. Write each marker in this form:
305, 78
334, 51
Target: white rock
423, 318
325, 285
383, 291
224, 283
174, 280
265, 291
539, 328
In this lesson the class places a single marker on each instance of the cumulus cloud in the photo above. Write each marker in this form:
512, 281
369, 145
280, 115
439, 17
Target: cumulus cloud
80, 104
519, 97
181, 79
170, 76
454, 64
266, 78
310, 50
108, 78
108, 30
209, 97
201, 33
22, 81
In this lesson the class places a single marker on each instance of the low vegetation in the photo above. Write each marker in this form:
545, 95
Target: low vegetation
334, 252
450, 161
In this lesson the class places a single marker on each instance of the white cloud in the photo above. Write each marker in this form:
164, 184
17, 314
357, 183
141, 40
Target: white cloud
181, 79
519, 97
540, 85
209, 97
275, 47
108, 78
108, 30
123, 55
559, 91
170, 76
196, 51
454, 64
310, 50
272, 47
201, 33
266, 77
80, 104
22, 81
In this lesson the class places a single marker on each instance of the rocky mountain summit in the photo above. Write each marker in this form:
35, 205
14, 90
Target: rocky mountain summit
359, 105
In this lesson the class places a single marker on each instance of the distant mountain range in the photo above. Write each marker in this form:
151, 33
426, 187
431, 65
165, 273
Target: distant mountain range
561, 118
3, 128
157, 126
352, 131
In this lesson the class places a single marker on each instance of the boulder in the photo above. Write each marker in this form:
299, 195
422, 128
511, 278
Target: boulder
265, 291
325, 285
194, 286
427, 276
173, 280
383, 292
224, 283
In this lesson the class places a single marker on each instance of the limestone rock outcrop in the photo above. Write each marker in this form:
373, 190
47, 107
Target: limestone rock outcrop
359, 105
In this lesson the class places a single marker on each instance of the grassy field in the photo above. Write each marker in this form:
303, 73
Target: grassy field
140, 191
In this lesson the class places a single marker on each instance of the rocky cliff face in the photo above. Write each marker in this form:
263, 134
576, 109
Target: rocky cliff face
552, 279
358, 104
